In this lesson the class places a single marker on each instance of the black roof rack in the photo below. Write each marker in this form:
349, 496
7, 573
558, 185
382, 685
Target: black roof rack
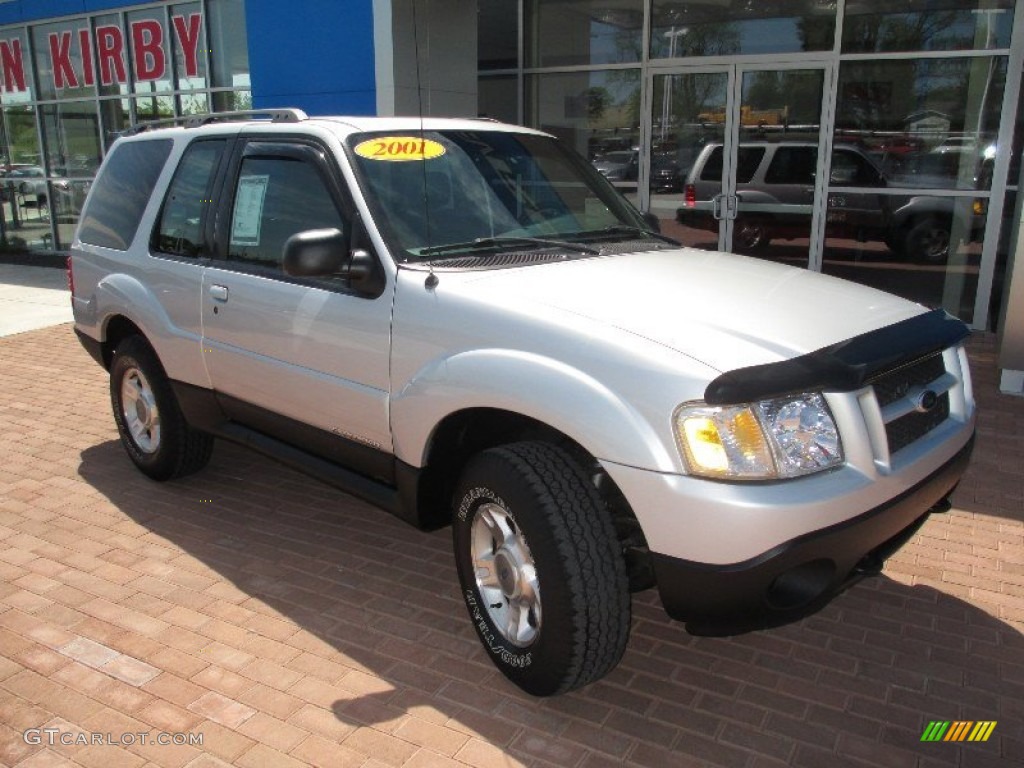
288, 115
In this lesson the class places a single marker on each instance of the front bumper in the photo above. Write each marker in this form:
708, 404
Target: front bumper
799, 576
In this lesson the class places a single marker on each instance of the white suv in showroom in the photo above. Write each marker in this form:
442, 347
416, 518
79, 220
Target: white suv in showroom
464, 323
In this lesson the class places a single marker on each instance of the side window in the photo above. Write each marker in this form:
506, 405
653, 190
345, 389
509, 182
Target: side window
713, 166
275, 198
851, 169
179, 230
121, 193
792, 165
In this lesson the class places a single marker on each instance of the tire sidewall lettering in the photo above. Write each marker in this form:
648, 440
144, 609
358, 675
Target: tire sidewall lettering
491, 640
473, 495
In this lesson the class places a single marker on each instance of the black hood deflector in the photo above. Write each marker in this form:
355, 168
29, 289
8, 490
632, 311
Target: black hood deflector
842, 367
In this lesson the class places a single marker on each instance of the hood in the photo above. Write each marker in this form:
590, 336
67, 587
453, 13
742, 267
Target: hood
724, 310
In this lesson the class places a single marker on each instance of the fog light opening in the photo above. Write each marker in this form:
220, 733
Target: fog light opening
802, 585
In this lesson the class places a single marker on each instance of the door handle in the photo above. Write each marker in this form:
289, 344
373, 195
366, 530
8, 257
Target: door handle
725, 206
219, 292
732, 207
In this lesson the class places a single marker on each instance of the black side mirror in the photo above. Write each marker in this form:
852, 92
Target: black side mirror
315, 253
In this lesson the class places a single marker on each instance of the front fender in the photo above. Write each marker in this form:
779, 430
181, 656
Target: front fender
541, 388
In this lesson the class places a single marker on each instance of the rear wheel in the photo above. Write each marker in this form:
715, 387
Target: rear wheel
928, 241
750, 235
541, 569
153, 430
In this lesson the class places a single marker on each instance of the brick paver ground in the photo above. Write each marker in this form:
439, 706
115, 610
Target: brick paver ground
290, 625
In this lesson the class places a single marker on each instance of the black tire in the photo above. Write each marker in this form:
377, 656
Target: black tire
894, 242
927, 240
153, 430
751, 235
577, 623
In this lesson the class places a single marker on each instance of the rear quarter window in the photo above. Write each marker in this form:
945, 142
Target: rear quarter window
747, 162
121, 192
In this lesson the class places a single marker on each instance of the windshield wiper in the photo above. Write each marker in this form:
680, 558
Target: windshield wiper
625, 229
497, 242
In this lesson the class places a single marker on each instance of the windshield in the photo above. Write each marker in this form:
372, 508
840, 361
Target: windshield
463, 191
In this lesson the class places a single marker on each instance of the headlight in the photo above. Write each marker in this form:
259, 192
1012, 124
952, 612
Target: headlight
772, 439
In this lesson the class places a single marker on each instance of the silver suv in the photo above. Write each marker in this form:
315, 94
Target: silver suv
775, 184
465, 323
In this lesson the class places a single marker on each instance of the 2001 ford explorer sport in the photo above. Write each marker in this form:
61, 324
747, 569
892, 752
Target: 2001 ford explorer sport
464, 323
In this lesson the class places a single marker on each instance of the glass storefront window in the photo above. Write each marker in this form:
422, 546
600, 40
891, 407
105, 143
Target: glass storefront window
149, 44
231, 101
64, 63
71, 133
1004, 254
597, 113
115, 115
78, 83
22, 139
15, 67
1018, 141
875, 26
68, 197
23, 188
680, 28
111, 55
229, 51
193, 104
497, 34
927, 123
154, 107
497, 97
563, 33
189, 46
689, 115
924, 248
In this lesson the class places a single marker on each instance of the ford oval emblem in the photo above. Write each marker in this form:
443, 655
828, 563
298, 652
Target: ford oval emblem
926, 401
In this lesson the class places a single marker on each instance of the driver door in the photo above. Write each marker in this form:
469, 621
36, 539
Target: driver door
302, 360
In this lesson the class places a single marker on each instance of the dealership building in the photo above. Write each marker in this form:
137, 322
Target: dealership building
875, 141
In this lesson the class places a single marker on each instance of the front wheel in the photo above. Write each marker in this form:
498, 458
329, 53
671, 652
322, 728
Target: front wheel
540, 567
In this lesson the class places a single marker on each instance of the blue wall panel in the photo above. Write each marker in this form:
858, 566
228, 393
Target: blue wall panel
34, 10
316, 55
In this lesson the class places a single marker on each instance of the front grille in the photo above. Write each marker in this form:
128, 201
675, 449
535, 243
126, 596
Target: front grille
906, 429
891, 386
907, 381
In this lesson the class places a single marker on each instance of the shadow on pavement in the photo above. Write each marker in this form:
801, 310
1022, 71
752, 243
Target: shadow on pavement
855, 684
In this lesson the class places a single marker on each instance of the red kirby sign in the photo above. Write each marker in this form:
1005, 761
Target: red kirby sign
71, 53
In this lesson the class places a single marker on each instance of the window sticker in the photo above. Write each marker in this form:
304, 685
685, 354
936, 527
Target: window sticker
245, 227
399, 149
